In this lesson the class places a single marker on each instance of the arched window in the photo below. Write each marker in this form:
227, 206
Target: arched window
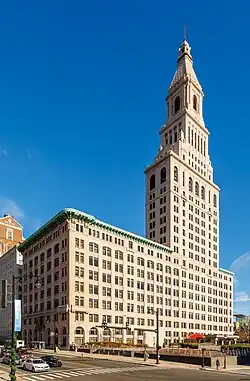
168, 270
196, 189
93, 331
175, 174
195, 102
106, 332
215, 201
150, 264
190, 184
79, 331
177, 104
163, 175
203, 193
152, 182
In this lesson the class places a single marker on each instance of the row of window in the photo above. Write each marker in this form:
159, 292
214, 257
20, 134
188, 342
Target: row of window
199, 191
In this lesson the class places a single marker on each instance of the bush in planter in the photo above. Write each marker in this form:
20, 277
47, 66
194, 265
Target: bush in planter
189, 345
236, 346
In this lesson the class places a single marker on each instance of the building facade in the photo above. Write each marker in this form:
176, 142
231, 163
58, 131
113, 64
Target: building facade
92, 272
10, 264
182, 205
182, 200
11, 233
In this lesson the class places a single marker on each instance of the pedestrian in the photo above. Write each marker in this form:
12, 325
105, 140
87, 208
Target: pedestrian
217, 364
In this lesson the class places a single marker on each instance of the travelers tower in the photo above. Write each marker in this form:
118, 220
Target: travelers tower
181, 196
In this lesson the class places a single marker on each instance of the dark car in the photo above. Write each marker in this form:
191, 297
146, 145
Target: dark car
52, 361
7, 360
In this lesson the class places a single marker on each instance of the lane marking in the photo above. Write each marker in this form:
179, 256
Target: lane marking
45, 375
55, 375
37, 378
64, 375
73, 374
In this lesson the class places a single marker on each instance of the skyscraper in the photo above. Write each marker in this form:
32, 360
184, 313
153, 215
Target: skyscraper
182, 199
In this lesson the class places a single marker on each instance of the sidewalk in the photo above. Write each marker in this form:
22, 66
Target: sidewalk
4, 375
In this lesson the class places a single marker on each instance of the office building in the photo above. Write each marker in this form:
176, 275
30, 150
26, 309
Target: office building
10, 264
92, 272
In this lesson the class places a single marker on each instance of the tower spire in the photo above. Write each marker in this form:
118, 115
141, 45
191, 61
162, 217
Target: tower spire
185, 32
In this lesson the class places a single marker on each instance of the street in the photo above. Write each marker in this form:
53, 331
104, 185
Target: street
106, 370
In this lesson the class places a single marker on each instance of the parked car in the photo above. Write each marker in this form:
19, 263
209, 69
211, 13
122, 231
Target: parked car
35, 365
7, 359
52, 361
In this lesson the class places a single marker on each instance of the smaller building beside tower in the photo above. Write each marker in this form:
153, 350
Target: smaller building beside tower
10, 264
93, 273
11, 233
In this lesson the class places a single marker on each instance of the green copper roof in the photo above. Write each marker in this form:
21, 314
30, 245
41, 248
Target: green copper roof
226, 271
68, 214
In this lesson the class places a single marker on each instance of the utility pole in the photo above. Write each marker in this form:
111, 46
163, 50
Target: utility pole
157, 335
13, 325
13, 312
13, 342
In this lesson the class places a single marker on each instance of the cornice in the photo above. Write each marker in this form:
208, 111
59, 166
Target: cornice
73, 214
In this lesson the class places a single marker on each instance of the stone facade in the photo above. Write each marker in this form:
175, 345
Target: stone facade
93, 272
11, 233
10, 264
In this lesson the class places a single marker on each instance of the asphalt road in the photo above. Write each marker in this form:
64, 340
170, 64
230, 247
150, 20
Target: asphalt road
87, 369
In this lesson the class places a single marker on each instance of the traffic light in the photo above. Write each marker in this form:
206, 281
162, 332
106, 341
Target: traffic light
104, 324
4, 293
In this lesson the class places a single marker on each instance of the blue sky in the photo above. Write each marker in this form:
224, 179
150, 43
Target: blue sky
82, 89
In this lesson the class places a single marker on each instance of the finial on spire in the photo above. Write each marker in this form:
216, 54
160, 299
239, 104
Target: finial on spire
185, 32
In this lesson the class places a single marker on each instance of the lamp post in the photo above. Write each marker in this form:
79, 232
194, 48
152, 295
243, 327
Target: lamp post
156, 312
54, 331
157, 336
13, 317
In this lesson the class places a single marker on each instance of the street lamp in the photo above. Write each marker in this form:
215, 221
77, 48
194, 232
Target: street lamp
157, 333
13, 342
54, 331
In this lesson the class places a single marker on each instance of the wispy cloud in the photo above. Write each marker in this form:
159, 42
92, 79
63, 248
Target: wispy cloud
8, 206
4, 152
241, 297
11, 207
241, 269
29, 154
240, 262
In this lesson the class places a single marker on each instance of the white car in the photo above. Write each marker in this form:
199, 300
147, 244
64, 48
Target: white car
35, 365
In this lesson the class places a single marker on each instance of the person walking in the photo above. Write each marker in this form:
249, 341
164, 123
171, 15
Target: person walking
217, 364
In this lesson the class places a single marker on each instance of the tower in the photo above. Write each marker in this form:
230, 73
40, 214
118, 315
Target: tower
181, 196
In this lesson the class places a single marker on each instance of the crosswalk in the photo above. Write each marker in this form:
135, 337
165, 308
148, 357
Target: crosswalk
80, 372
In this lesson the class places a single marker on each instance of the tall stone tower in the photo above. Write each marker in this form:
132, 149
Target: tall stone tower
181, 197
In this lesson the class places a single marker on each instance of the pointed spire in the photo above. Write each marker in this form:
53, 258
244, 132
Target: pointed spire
185, 32
184, 64
184, 50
